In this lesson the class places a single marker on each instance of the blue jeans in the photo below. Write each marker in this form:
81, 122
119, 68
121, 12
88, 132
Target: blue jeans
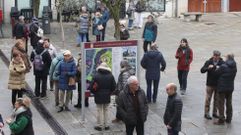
149, 89
182, 77
82, 37
130, 23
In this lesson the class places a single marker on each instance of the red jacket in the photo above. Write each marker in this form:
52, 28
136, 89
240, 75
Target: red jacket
184, 61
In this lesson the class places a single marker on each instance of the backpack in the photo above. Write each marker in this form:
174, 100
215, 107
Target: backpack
38, 61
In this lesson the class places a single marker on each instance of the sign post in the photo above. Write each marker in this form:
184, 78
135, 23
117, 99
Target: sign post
112, 53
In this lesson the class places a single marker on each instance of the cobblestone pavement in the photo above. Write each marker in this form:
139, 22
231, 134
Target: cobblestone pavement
215, 31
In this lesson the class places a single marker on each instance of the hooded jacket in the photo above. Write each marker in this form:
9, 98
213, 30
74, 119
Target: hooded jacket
105, 85
226, 75
83, 23
212, 78
17, 75
150, 32
151, 62
23, 122
126, 107
66, 70
54, 67
46, 58
33, 34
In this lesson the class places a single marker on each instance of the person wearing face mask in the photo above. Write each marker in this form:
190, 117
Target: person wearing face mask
212, 79
150, 33
184, 54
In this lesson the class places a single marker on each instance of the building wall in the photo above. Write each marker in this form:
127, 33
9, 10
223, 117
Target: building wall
7, 8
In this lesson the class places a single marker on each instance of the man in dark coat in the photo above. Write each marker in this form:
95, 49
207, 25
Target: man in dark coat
41, 74
133, 107
173, 112
34, 38
152, 61
225, 87
105, 17
212, 80
102, 86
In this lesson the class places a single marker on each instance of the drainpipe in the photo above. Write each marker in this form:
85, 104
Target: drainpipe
205, 6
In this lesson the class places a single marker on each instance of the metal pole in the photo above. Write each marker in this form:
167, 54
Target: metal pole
138, 60
83, 81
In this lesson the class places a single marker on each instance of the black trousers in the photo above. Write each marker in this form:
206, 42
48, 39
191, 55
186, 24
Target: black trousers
80, 95
139, 129
145, 45
149, 89
15, 93
103, 32
40, 80
182, 77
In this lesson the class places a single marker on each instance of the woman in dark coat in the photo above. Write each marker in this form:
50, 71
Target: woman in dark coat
184, 54
153, 62
102, 86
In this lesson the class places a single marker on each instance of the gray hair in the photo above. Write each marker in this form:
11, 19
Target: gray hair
131, 79
21, 18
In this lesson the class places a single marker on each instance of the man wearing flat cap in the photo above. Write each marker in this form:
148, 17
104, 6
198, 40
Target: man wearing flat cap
211, 84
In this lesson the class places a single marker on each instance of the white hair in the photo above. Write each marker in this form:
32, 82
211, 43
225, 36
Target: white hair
131, 79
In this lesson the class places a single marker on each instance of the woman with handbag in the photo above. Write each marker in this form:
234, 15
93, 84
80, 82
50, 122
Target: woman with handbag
98, 26
66, 72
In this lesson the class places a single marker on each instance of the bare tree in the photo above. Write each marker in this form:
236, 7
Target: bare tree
59, 4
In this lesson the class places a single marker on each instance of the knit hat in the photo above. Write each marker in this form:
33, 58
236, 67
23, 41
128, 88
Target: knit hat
67, 52
103, 66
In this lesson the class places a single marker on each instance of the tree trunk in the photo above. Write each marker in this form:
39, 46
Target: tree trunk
36, 7
62, 28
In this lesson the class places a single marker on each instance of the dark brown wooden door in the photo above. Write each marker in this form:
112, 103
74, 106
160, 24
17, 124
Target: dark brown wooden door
198, 6
234, 5
195, 5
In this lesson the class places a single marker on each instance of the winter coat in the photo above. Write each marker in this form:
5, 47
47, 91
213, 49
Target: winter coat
19, 31
150, 32
17, 75
66, 70
105, 16
33, 34
79, 66
1, 119
131, 10
122, 79
46, 58
151, 61
212, 78
226, 73
83, 23
55, 66
24, 56
124, 35
96, 22
127, 109
173, 112
105, 82
52, 51
185, 57
23, 124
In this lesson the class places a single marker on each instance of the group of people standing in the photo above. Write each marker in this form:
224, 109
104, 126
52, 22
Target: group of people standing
219, 85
